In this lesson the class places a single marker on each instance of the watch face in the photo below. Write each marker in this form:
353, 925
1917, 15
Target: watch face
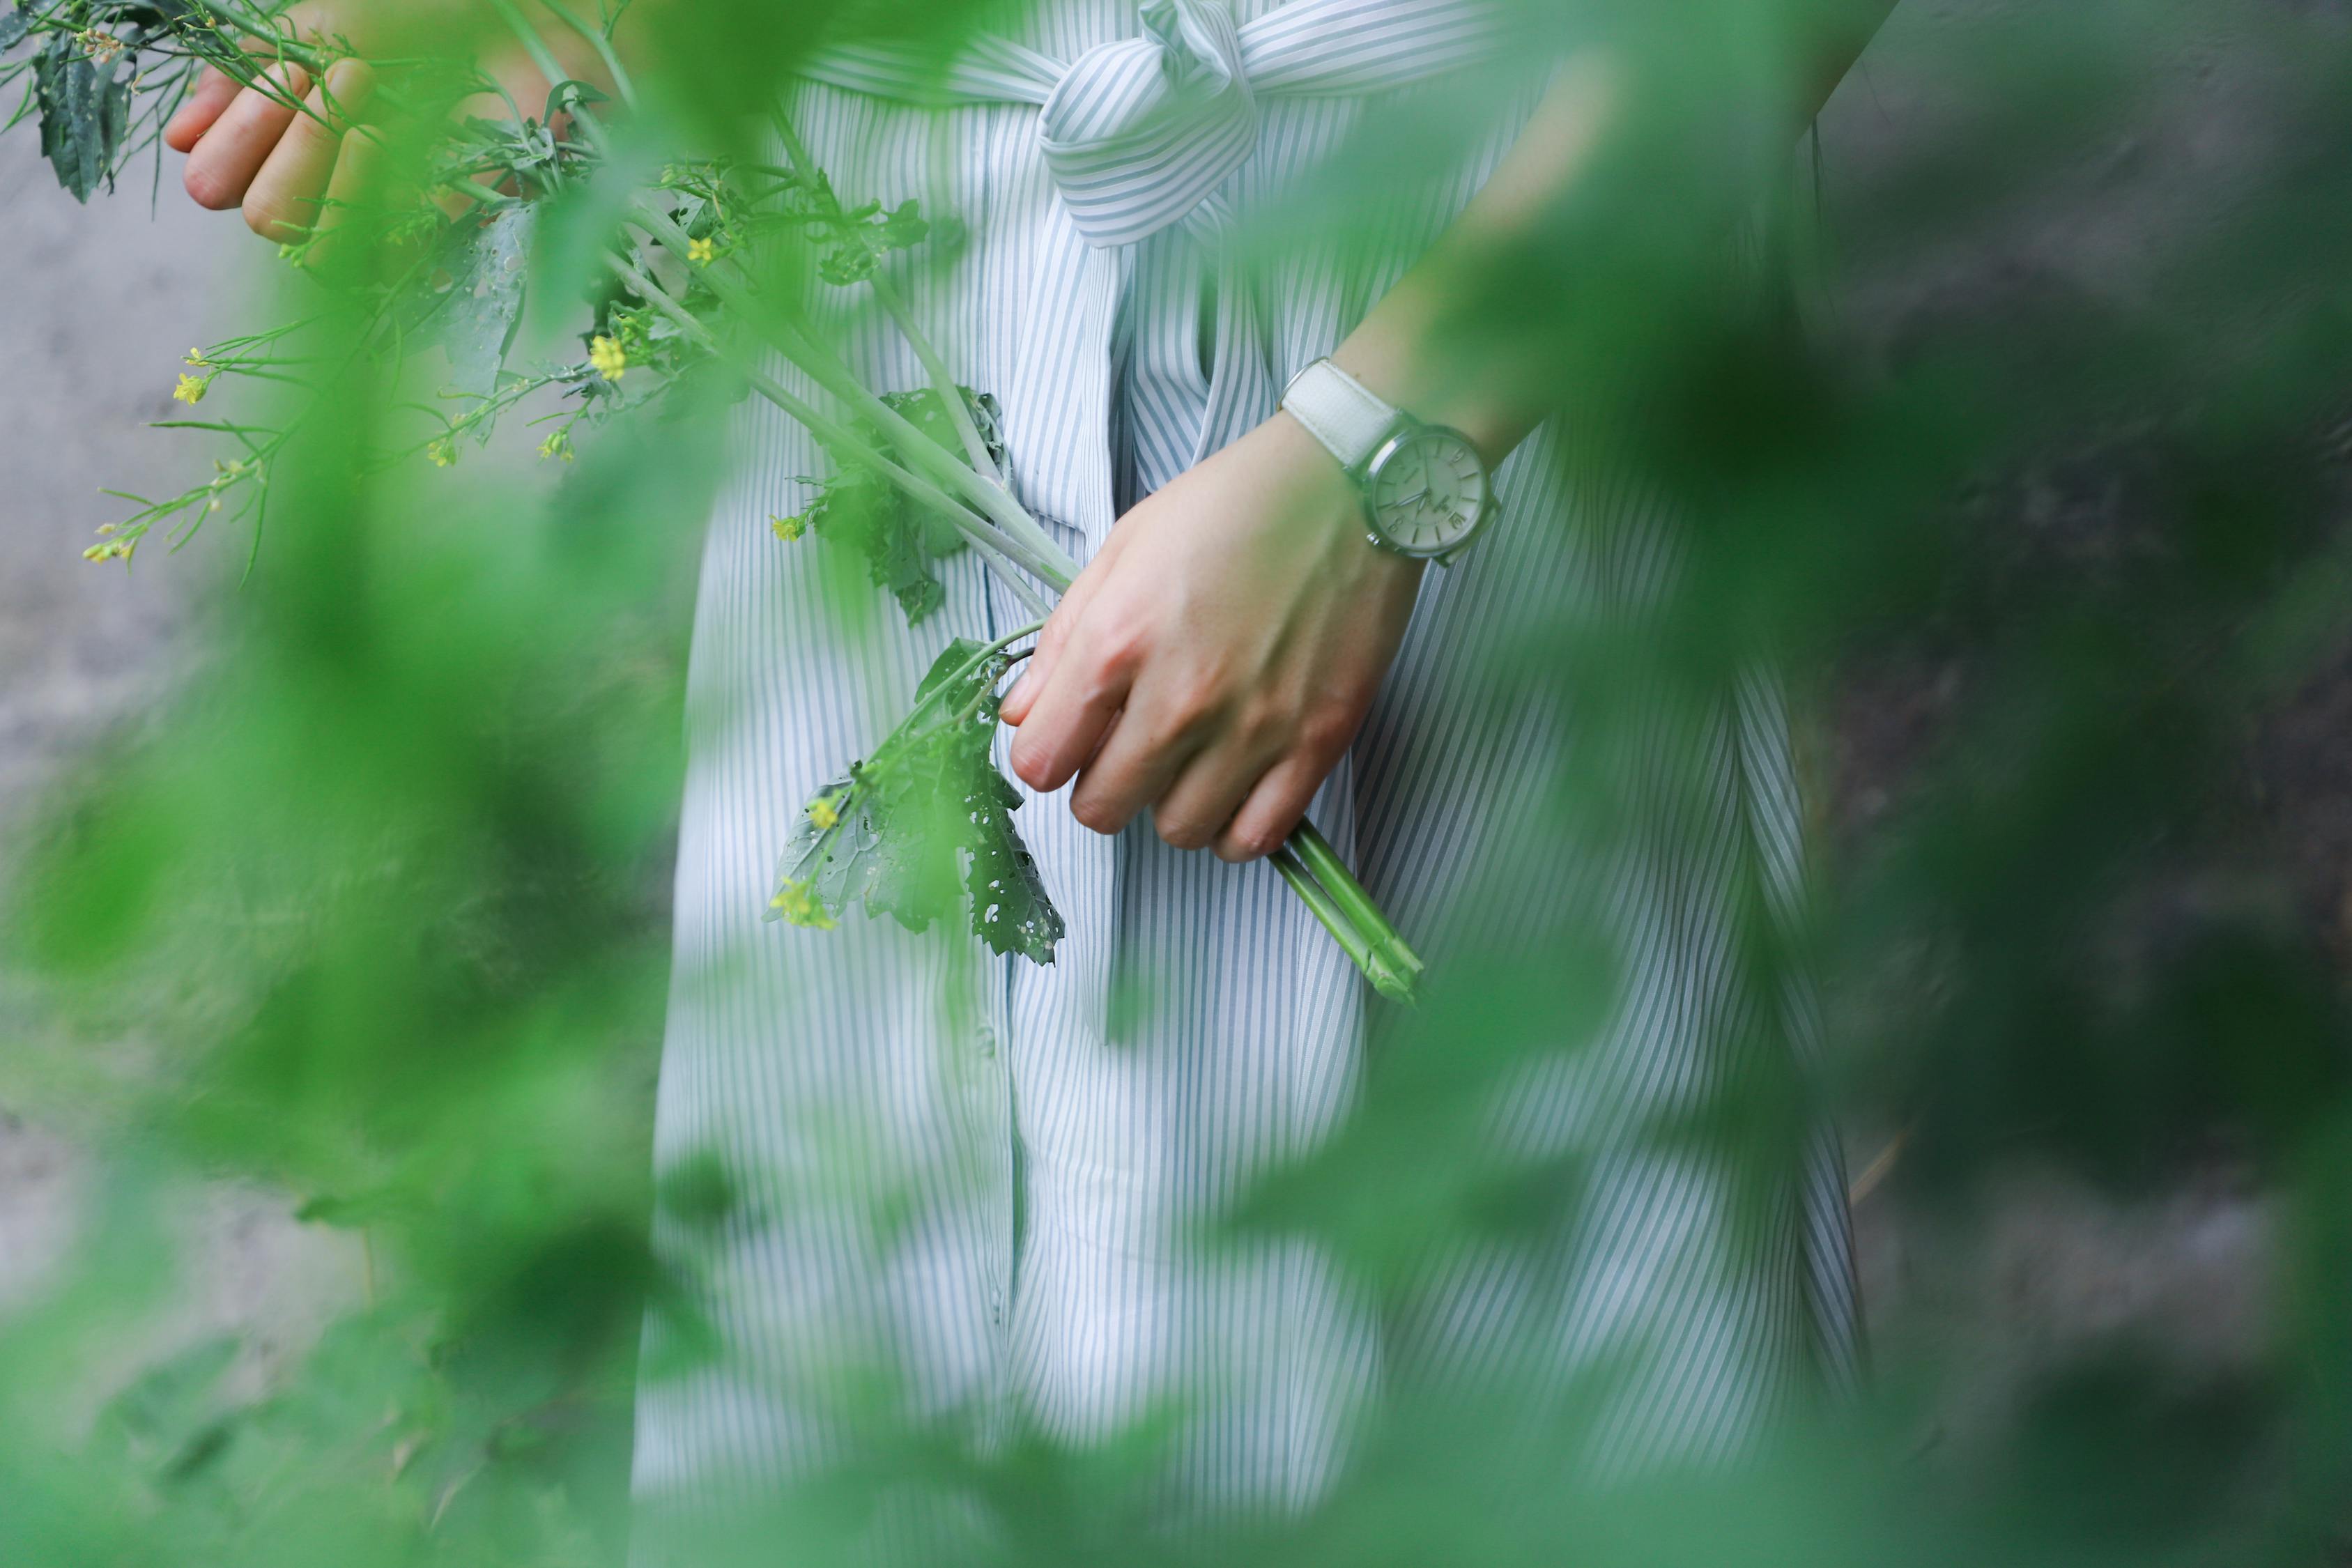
1427, 490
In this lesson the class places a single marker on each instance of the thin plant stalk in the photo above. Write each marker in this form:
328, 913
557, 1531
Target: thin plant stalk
803, 349
972, 527
886, 294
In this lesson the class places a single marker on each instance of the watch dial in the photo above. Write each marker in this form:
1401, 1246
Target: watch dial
1429, 492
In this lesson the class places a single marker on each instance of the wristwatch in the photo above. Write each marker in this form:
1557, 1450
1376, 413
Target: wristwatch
1427, 491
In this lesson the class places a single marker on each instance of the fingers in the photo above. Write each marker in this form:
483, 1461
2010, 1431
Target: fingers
1066, 700
1068, 719
284, 199
1056, 635
356, 168
222, 164
1134, 768
214, 90
1273, 808
1192, 812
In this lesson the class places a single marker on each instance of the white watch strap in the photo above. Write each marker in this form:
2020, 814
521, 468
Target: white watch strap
1339, 411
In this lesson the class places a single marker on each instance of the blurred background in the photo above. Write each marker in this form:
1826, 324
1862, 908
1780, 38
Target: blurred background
2146, 1240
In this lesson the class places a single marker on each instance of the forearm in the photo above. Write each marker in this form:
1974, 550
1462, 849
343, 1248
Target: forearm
1429, 345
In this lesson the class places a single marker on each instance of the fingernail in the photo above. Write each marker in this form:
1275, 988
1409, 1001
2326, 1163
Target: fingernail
1020, 692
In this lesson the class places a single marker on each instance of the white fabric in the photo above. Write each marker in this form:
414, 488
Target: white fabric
971, 1188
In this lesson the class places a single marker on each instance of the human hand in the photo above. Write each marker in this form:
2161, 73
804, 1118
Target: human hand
249, 147
1215, 660
295, 174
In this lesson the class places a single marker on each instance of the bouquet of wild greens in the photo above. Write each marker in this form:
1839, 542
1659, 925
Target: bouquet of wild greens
926, 821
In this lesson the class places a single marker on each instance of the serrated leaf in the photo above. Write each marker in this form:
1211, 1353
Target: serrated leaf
846, 261
927, 821
900, 229
900, 540
85, 113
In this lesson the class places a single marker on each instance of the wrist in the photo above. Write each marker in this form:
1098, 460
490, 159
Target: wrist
1416, 384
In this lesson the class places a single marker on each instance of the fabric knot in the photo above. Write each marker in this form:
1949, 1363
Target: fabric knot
1142, 132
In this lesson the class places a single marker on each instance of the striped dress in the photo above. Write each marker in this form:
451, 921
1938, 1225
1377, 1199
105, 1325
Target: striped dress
973, 1192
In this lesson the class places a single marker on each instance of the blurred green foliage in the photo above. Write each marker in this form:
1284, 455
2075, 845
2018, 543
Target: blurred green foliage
373, 915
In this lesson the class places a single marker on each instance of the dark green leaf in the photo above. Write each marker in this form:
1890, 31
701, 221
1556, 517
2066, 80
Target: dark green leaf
927, 820
85, 112
13, 25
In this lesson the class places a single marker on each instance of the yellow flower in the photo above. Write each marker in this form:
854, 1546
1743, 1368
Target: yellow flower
824, 814
192, 389
443, 453
609, 358
700, 251
789, 528
557, 444
196, 358
110, 550
798, 903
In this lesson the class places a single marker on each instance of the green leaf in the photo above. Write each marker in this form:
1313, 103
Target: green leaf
900, 538
901, 229
480, 289
13, 26
85, 113
927, 822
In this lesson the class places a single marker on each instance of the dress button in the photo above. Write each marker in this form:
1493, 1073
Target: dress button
995, 1306
987, 1041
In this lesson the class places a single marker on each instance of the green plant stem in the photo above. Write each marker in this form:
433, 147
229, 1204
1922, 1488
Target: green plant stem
622, 85
1367, 959
886, 294
973, 528
1043, 555
1325, 864
533, 44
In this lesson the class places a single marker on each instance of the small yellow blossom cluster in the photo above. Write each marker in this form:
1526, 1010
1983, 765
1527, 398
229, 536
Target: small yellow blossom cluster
192, 388
443, 452
110, 548
825, 812
99, 44
798, 902
789, 528
701, 252
611, 360
558, 446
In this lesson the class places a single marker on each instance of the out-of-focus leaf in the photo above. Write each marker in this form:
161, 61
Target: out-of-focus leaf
900, 540
484, 299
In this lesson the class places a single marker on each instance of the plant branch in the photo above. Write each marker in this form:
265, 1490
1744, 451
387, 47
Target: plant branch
886, 294
999, 548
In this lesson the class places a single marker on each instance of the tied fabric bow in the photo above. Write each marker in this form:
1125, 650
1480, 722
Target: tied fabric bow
1141, 133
